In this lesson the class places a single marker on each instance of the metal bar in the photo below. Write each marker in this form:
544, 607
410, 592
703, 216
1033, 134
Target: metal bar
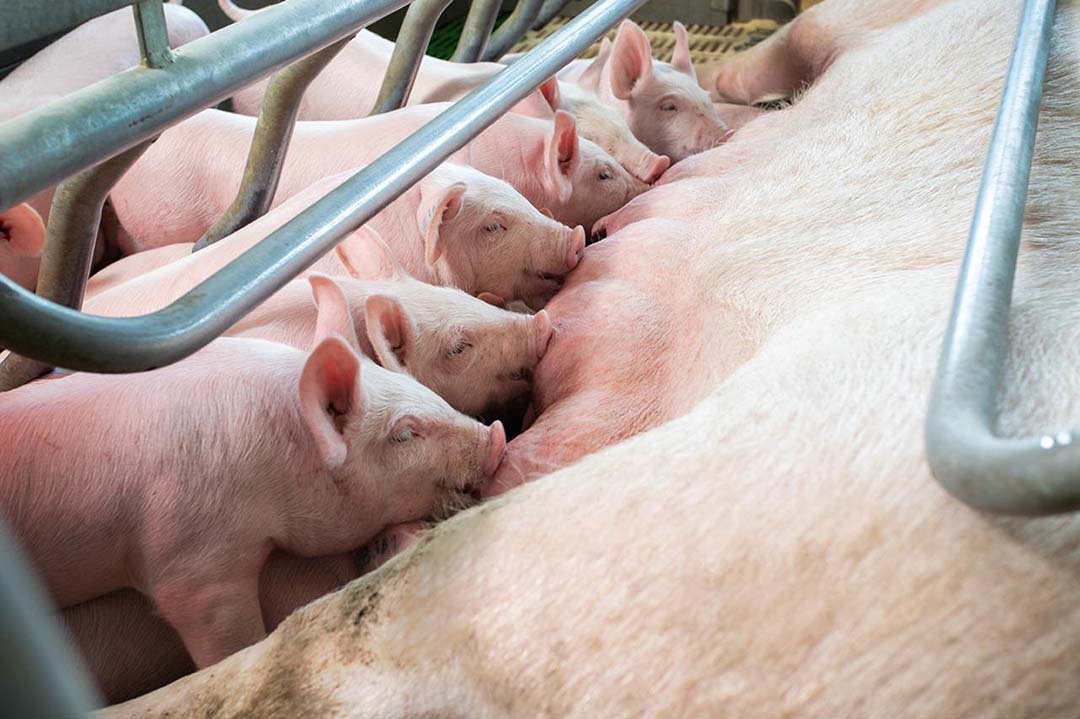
22, 21
548, 12
42, 147
66, 338
478, 26
515, 26
270, 144
153, 33
74, 219
1027, 476
42, 676
409, 48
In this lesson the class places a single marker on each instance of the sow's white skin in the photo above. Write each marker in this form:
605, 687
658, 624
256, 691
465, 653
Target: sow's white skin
781, 549
183, 183
91, 52
246, 447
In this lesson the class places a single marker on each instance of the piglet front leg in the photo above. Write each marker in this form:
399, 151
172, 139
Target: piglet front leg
214, 618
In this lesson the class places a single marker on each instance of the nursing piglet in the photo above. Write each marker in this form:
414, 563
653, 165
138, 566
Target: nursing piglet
478, 357
662, 102
187, 179
202, 468
457, 227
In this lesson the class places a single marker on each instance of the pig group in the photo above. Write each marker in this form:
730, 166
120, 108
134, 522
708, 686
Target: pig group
736, 517
178, 515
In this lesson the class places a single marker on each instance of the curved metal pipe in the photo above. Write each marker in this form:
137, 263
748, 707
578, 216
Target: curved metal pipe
270, 144
512, 30
409, 48
1029, 476
66, 338
74, 219
478, 25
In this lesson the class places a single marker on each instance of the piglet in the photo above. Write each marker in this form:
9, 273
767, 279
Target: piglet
22, 237
200, 469
478, 357
662, 102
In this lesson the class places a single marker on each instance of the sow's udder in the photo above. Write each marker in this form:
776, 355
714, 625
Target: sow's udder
614, 354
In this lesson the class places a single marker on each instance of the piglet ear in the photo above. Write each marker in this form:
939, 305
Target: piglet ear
561, 156
366, 256
631, 60
329, 391
492, 299
334, 318
390, 331
590, 78
438, 204
549, 90
22, 228
541, 103
680, 56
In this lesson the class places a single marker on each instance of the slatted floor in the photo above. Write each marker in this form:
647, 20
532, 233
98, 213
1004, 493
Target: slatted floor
707, 42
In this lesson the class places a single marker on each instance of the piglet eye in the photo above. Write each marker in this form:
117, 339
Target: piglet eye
668, 106
493, 227
458, 348
403, 436
605, 174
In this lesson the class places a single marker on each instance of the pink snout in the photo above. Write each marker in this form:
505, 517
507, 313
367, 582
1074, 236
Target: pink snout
496, 448
541, 333
577, 248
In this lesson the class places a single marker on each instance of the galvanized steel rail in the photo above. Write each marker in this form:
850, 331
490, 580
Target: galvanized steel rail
412, 40
477, 31
512, 29
1026, 476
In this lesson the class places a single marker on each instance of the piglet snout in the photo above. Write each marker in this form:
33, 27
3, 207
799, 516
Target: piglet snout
496, 449
541, 333
577, 248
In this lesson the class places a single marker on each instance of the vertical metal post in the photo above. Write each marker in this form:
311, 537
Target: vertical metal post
153, 34
548, 12
478, 25
69, 249
270, 143
412, 41
515, 26
41, 675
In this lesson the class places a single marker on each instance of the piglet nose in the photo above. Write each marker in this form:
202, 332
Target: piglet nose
541, 333
654, 166
496, 449
577, 248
